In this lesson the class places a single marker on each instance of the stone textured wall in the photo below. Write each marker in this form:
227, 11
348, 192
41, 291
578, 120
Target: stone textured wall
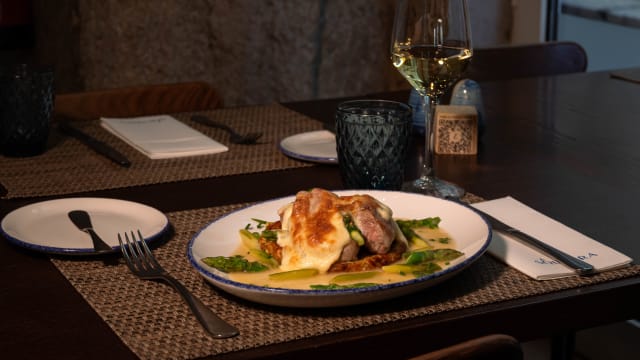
252, 51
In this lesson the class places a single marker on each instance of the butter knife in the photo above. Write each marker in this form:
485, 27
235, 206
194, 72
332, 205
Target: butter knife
82, 221
97, 145
581, 267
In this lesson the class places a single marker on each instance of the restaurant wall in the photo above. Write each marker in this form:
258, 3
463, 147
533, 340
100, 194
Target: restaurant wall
252, 51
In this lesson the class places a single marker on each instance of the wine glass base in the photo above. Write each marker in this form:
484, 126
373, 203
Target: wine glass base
433, 186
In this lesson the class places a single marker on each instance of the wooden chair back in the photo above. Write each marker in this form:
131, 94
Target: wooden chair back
138, 101
507, 62
489, 347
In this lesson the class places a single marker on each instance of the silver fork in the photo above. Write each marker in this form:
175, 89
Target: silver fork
235, 137
143, 264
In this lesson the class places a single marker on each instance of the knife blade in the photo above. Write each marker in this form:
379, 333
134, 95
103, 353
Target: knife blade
581, 267
97, 145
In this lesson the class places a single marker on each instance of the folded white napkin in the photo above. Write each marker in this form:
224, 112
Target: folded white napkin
162, 136
530, 260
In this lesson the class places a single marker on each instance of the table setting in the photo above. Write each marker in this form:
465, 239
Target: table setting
113, 202
68, 167
105, 288
487, 280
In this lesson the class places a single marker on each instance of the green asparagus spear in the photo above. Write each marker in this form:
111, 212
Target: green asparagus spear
236, 263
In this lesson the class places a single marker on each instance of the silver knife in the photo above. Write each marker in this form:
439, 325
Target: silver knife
97, 145
580, 266
82, 221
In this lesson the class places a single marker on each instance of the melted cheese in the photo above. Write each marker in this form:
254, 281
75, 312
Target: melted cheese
313, 231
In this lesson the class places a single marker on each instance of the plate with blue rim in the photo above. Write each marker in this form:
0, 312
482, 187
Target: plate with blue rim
45, 226
470, 231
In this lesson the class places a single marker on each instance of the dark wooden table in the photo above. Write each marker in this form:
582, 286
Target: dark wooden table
566, 145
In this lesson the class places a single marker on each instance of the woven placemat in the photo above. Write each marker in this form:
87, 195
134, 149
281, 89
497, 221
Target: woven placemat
70, 167
155, 323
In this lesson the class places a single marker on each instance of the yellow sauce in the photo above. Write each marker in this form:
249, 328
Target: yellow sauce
381, 277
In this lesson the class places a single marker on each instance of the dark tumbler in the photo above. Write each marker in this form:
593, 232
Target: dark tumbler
372, 139
26, 105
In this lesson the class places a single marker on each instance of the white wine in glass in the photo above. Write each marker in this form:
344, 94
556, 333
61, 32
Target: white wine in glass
431, 48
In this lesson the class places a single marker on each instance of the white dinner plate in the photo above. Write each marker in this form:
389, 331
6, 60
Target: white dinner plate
470, 232
315, 146
45, 226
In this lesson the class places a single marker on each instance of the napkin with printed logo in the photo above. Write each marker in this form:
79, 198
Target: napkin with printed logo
531, 261
162, 136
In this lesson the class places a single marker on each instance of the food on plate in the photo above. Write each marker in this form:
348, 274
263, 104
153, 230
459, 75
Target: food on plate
321, 230
325, 241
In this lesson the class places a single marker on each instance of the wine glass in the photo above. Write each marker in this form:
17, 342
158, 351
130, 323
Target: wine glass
431, 48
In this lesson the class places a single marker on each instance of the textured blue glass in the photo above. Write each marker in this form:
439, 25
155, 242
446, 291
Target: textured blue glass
372, 139
26, 104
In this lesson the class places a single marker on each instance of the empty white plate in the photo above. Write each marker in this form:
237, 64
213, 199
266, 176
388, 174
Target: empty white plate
45, 226
315, 146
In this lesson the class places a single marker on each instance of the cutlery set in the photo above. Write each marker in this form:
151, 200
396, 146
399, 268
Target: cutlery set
581, 267
143, 264
66, 126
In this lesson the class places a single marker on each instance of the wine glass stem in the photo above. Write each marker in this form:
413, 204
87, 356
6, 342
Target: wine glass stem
429, 104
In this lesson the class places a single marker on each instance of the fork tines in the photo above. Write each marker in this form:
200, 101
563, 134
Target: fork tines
136, 253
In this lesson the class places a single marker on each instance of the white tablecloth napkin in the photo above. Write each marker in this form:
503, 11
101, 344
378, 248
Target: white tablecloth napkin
530, 260
162, 136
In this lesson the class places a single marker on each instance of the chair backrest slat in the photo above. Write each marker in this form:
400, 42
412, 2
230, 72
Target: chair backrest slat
138, 101
508, 62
